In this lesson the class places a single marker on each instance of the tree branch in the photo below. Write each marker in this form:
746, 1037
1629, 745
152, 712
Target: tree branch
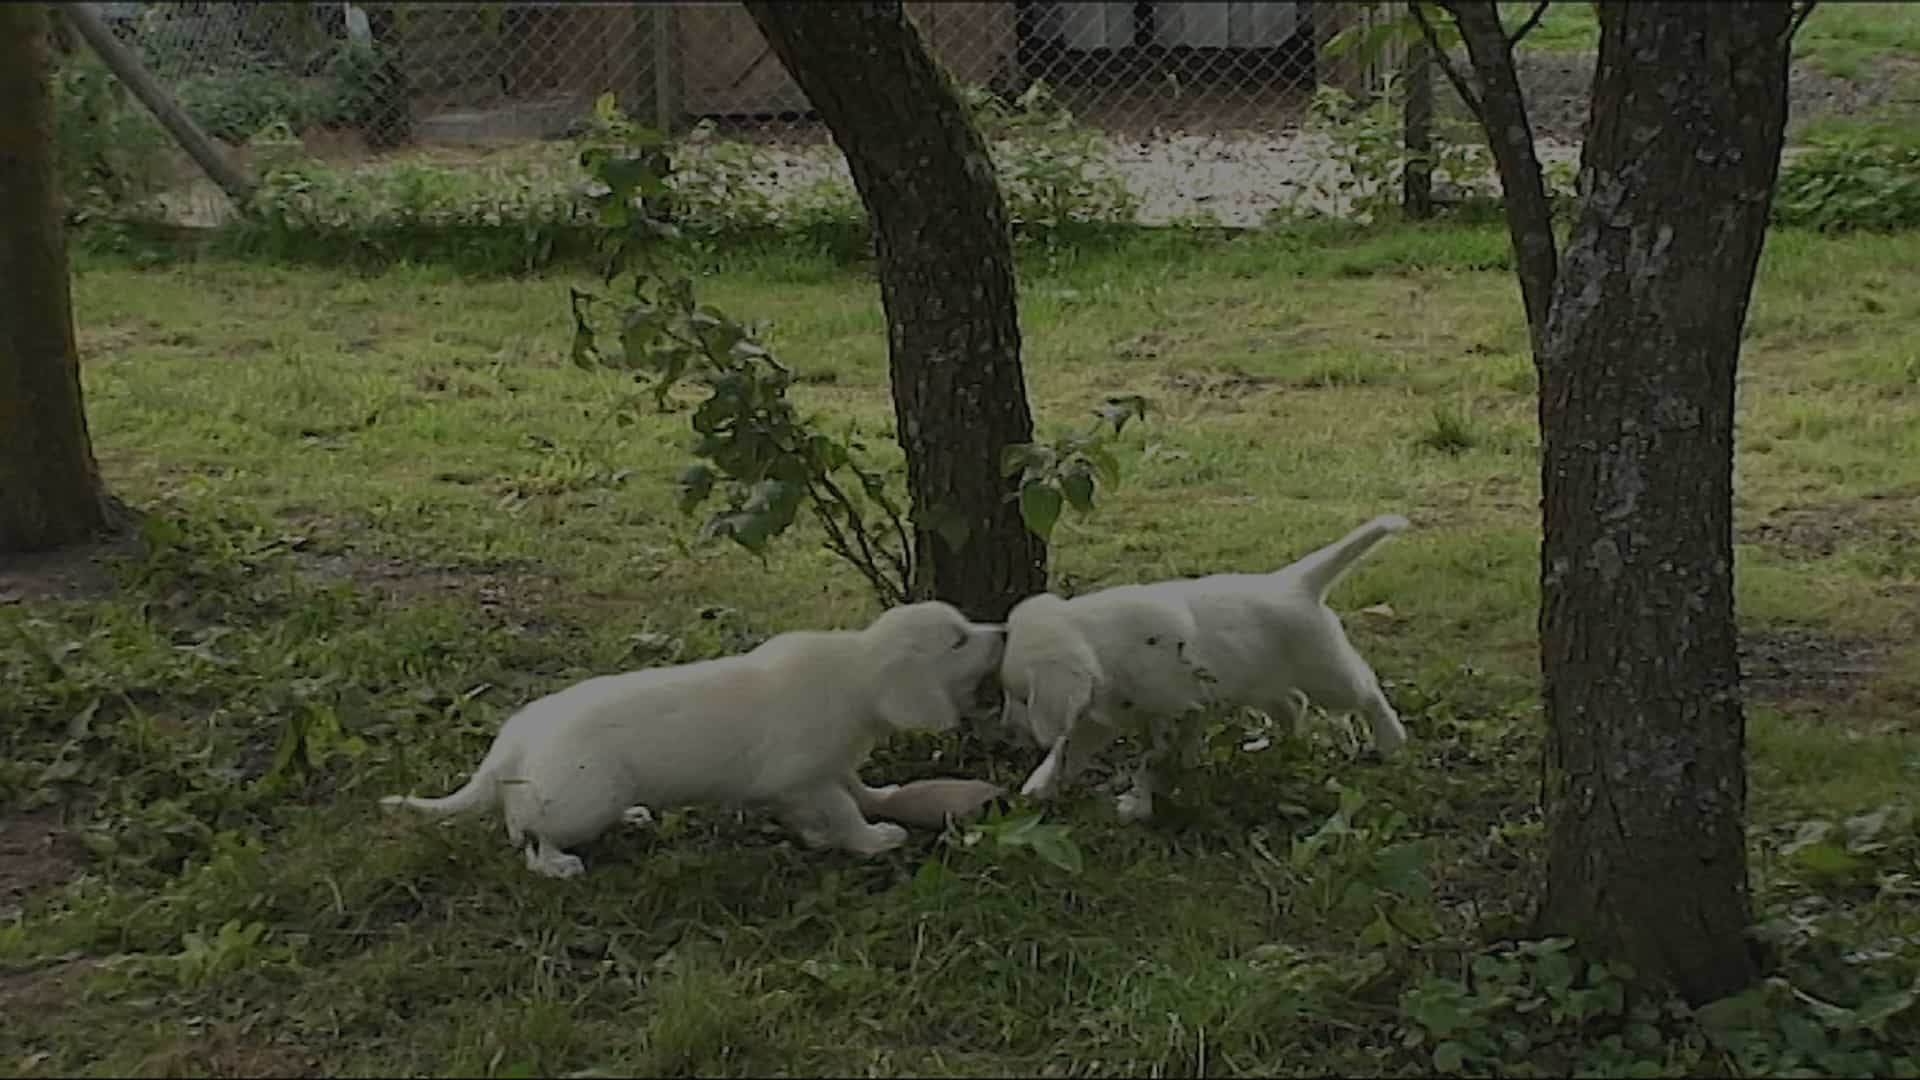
1533, 20
1460, 84
1510, 138
1799, 19
887, 592
891, 592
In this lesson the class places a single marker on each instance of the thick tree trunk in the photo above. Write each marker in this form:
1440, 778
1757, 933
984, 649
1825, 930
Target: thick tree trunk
946, 281
49, 486
1646, 776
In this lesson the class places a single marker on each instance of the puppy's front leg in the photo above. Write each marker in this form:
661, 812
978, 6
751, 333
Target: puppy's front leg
546, 859
1068, 759
829, 816
1154, 775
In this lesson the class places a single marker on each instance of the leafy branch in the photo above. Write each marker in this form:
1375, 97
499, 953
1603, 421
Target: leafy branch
1062, 473
758, 461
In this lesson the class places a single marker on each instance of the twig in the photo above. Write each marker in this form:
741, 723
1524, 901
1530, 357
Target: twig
1460, 84
867, 562
854, 522
903, 564
1799, 18
837, 543
1510, 138
1533, 20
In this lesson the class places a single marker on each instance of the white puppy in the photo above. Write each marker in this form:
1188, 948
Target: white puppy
1077, 672
785, 726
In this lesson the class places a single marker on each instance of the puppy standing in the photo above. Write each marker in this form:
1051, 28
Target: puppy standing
1074, 668
785, 726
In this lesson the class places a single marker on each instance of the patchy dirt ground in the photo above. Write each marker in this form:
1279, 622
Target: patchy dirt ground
76, 573
1557, 84
35, 854
1786, 662
1820, 529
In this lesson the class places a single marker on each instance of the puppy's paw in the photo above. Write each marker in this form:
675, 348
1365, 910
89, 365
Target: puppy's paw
1045, 779
636, 817
1133, 806
555, 864
1388, 738
876, 839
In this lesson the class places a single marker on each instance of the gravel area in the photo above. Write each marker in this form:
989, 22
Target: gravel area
1232, 178
1236, 180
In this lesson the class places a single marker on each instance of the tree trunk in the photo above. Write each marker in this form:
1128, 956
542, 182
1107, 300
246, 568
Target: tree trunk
1645, 765
1416, 182
946, 281
50, 491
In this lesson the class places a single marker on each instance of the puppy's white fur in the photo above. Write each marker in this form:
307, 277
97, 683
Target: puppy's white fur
785, 726
1077, 672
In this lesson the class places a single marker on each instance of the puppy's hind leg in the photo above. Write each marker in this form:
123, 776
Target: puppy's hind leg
1356, 692
868, 800
828, 816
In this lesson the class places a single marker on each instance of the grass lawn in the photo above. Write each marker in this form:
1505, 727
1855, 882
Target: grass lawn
1842, 39
387, 511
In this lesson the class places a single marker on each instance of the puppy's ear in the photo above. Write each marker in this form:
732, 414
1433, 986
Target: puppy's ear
910, 700
1057, 699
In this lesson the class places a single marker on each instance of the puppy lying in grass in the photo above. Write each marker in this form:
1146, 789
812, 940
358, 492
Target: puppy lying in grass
785, 727
1078, 672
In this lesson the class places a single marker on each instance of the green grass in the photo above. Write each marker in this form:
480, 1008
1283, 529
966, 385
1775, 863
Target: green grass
1566, 25
1843, 40
387, 512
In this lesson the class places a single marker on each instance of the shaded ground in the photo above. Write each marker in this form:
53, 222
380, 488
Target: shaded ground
68, 574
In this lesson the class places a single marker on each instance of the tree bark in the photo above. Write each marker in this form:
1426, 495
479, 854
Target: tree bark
946, 281
1645, 763
1416, 182
50, 492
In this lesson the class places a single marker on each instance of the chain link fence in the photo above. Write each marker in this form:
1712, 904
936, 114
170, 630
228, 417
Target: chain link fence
1201, 107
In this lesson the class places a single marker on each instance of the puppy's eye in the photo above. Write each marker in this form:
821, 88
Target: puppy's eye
961, 643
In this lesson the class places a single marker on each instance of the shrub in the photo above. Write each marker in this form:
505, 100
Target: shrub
1851, 184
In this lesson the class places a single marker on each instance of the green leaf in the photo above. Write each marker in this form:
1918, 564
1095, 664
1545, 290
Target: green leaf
1827, 860
1055, 846
1123, 407
1401, 867
1040, 509
946, 522
1078, 488
1105, 465
1015, 831
1017, 456
696, 483
1449, 1057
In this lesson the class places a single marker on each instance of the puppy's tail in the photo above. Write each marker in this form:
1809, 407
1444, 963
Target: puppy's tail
1319, 572
481, 791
